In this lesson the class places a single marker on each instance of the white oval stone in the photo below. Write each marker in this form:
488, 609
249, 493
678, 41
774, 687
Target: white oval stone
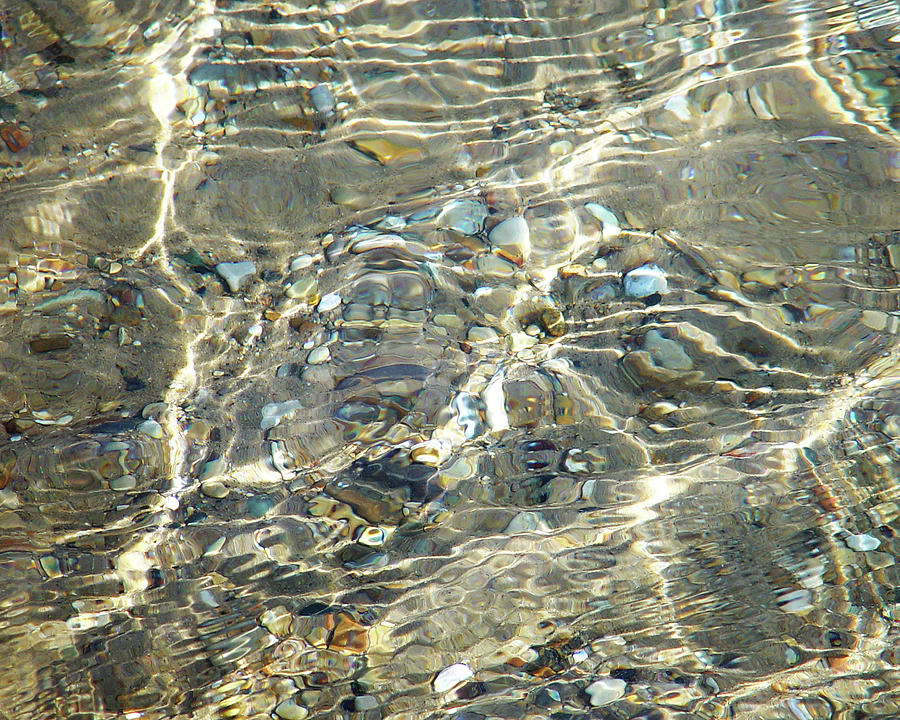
512, 236
605, 691
328, 302
451, 676
318, 355
862, 542
645, 281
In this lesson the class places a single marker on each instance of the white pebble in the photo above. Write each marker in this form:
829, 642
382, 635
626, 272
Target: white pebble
301, 261
512, 237
862, 542
235, 273
318, 355
452, 676
645, 281
605, 691
151, 428
608, 220
328, 302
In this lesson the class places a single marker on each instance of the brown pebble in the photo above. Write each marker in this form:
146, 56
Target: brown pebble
14, 137
349, 636
49, 343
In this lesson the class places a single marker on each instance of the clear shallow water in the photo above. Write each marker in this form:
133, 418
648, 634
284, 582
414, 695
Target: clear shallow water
405, 464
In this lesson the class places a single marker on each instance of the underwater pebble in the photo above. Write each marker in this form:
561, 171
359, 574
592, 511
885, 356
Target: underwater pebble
212, 468
125, 482
350, 197
213, 489
608, 220
667, 353
479, 334
273, 412
289, 710
862, 542
328, 302
365, 702
318, 355
300, 262
493, 266
645, 281
512, 238
464, 216
305, 289
371, 537
605, 691
452, 676
321, 98
234, 273
525, 522
151, 428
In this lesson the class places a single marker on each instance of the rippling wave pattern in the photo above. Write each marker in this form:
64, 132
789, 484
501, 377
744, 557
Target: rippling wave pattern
466, 359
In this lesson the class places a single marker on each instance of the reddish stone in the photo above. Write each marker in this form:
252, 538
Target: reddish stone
15, 138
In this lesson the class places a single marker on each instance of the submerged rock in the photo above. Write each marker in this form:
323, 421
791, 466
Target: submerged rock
235, 273
644, 281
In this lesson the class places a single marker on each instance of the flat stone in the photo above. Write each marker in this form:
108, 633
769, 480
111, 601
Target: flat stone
318, 355
387, 152
213, 489
125, 482
645, 281
609, 223
862, 542
289, 710
152, 429
667, 353
451, 676
351, 198
48, 343
365, 702
328, 302
304, 289
464, 216
512, 238
605, 691
212, 468
234, 273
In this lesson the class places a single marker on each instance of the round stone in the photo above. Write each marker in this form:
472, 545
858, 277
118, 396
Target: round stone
605, 691
213, 489
451, 676
645, 281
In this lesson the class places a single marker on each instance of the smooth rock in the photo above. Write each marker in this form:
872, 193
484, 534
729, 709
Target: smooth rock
273, 412
605, 691
667, 353
301, 261
609, 223
212, 468
464, 216
328, 302
151, 428
645, 281
862, 542
512, 238
365, 702
451, 676
213, 489
302, 289
289, 710
234, 273
125, 482
318, 355
481, 334
321, 98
